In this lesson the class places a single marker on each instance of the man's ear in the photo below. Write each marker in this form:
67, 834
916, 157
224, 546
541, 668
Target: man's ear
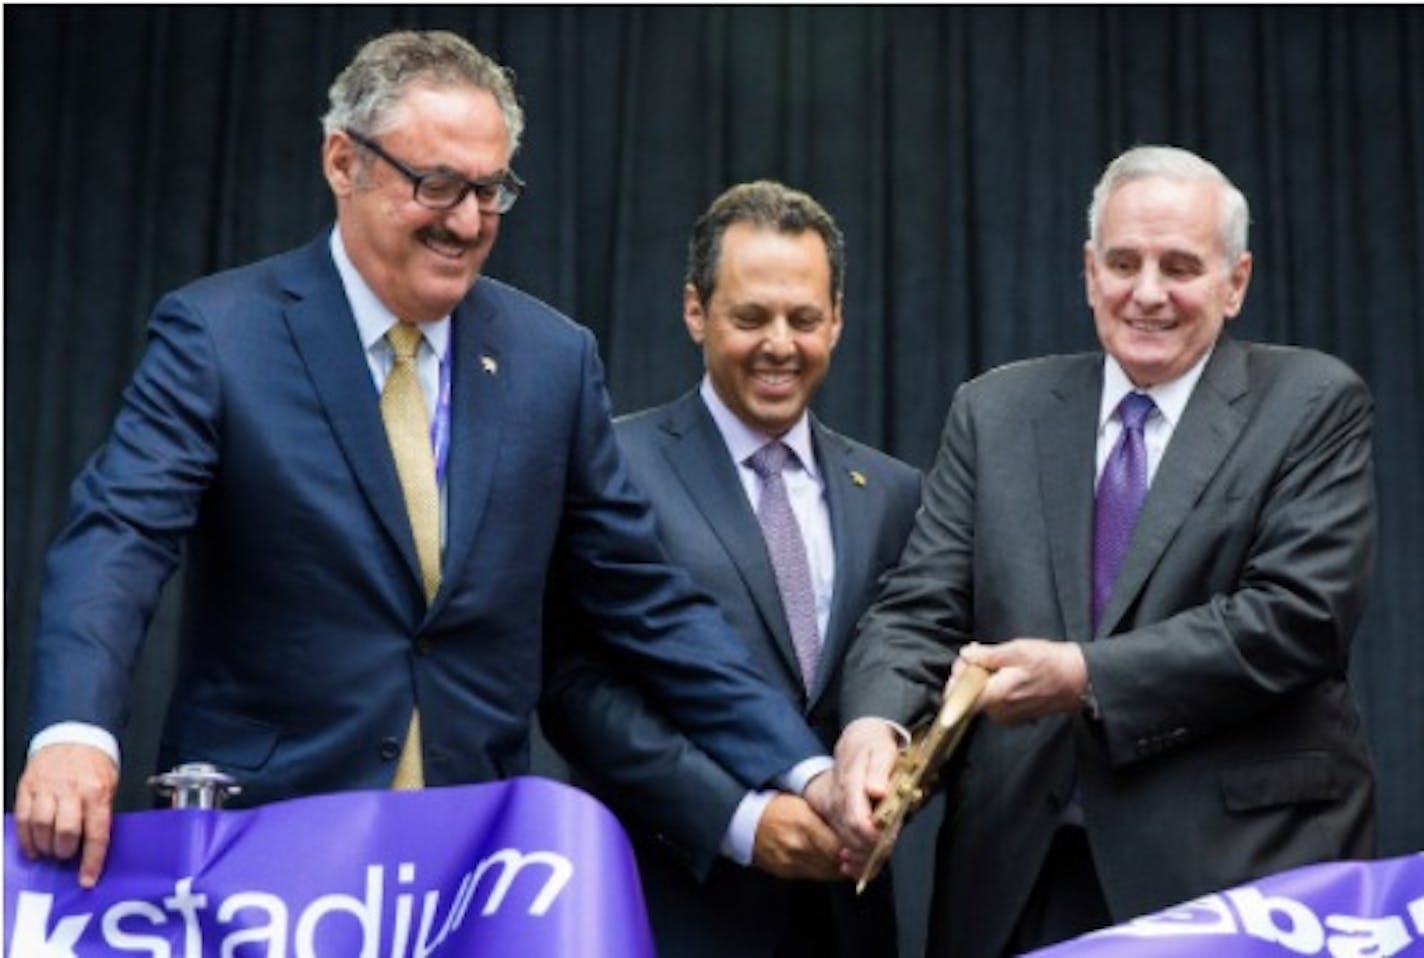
837, 320
1240, 279
693, 315
1090, 274
340, 164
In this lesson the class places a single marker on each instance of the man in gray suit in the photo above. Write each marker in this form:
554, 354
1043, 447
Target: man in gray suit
728, 871
1164, 589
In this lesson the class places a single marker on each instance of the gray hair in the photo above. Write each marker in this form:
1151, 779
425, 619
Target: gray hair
764, 203
364, 94
1173, 163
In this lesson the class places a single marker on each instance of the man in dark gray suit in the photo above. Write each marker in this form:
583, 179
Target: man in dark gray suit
763, 300
1164, 589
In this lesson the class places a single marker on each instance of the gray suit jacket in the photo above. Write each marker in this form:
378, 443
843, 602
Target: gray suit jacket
1229, 745
675, 800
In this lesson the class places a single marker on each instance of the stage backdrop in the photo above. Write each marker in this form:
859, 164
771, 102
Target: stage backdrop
147, 146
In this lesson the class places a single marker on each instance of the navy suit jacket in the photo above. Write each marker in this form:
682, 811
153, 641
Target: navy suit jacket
1229, 745
674, 798
251, 432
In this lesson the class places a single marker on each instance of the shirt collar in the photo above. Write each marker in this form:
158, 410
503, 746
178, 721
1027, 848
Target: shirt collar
373, 319
1170, 397
742, 440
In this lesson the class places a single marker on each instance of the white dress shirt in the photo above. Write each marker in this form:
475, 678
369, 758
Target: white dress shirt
374, 320
1170, 398
805, 487
806, 490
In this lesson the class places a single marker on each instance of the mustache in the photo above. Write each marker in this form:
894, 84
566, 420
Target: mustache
438, 234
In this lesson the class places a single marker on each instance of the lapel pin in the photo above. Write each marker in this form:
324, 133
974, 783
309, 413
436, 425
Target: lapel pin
857, 477
489, 364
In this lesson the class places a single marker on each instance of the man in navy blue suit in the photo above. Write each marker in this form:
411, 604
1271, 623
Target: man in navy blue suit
727, 870
342, 630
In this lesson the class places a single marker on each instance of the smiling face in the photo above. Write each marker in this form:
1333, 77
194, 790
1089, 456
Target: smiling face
769, 328
420, 262
1159, 284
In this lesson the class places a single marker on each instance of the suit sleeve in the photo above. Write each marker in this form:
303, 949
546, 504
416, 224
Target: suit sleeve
653, 621
907, 641
131, 508
1288, 623
644, 767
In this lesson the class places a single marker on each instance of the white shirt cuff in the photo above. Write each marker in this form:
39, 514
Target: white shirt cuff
796, 780
739, 841
77, 733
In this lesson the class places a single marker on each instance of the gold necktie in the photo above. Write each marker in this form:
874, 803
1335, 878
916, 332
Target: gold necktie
408, 431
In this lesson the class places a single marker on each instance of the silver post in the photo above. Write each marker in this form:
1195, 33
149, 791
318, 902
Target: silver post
195, 785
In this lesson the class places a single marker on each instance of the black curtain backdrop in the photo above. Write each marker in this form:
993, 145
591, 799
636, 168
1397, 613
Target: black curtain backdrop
957, 146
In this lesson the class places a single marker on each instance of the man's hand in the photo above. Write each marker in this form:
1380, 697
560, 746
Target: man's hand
793, 842
65, 801
1030, 678
865, 756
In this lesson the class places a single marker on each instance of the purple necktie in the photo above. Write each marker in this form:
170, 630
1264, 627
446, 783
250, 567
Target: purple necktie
788, 556
1121, 489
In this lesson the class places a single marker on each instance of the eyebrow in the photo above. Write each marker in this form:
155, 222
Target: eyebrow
446, 170
1166, 254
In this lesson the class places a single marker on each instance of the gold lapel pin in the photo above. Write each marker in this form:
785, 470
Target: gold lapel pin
857, 477
489, 364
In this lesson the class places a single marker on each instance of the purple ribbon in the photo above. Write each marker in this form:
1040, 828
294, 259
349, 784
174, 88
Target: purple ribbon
1352, 908
525, 867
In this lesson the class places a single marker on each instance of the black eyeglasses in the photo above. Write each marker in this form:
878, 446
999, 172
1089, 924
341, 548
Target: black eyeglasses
443, 190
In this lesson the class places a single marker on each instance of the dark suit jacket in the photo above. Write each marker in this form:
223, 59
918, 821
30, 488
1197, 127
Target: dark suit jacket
251, 431
1229, 745
675, 800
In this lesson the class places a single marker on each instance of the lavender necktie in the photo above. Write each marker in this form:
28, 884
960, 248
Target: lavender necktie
1121, 489
788, 556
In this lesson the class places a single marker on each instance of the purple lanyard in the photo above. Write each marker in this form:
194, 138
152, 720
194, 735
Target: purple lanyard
440, 425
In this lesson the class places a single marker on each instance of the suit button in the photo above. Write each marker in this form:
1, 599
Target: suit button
423, 646
390, 749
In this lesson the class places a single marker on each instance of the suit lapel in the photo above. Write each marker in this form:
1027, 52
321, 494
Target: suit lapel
699, 457
1065, 440
477, 414
324, 331
853, 540
1209, 429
